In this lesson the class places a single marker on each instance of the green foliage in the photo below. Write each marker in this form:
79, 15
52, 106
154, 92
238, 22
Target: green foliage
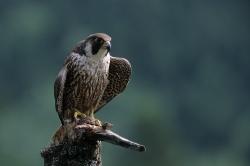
188, 100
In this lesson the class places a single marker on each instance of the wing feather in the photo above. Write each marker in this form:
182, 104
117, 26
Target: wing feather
119, 76
59, 87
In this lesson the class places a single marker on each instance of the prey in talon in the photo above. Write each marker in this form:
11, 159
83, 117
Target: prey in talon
89, 79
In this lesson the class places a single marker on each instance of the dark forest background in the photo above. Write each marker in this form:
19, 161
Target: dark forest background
188, 100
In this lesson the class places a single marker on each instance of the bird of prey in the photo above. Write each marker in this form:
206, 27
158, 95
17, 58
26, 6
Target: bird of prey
89, 78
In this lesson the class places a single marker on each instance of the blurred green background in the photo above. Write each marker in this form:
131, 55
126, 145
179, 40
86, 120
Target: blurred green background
188, 100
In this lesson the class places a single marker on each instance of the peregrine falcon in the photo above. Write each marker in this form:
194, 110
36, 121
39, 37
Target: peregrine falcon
89, 78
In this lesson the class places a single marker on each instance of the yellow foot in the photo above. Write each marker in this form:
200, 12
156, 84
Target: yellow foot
79, 115
97, 122
88, 119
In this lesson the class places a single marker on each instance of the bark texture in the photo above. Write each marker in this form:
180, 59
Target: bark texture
73, 154
79, 144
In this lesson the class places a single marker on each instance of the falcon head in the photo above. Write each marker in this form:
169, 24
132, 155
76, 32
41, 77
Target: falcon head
95, 45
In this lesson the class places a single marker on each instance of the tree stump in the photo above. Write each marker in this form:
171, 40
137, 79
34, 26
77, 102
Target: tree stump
79, 144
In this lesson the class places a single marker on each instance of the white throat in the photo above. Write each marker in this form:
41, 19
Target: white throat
100, 61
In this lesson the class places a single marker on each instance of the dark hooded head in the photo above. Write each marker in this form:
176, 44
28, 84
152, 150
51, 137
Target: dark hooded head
94, 45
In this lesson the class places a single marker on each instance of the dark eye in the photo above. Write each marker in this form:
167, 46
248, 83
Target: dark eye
96, 40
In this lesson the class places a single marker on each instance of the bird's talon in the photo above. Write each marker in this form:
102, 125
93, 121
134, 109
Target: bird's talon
98, 122
79, 115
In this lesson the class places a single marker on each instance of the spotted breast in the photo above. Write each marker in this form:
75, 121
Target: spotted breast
85, 85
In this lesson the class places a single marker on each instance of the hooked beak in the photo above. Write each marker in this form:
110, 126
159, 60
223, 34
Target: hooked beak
107, 45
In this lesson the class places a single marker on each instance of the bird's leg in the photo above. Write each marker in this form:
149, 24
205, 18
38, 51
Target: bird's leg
88, 118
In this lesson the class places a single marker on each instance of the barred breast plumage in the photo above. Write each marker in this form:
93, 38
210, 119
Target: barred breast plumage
84, 86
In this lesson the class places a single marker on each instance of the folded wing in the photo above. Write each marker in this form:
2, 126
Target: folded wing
59, 87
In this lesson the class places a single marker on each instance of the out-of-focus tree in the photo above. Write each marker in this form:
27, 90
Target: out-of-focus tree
188, 99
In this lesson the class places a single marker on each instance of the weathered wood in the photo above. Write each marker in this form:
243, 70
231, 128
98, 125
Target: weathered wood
79, 144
